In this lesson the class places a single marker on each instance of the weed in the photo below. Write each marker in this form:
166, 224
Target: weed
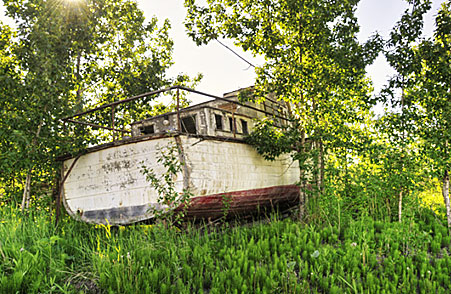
169, 199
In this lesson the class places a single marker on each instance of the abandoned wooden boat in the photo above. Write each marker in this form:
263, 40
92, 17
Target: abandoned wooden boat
106, 183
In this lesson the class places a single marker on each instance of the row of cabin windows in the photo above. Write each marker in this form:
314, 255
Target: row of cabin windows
189, 125
232, 124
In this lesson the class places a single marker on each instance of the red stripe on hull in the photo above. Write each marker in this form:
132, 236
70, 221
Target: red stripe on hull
240, 202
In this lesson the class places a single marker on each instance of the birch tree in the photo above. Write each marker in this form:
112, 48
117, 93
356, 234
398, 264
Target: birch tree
69, 55
433, 96
424, 108
313, 61
399, 120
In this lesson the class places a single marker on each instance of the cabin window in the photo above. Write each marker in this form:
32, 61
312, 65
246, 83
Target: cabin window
244, 127
218, 120
231, 124
147, 130
189, 125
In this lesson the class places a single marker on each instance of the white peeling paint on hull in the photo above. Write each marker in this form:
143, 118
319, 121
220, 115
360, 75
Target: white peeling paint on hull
108, 183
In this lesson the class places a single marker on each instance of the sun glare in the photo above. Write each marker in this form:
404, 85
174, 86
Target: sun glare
73, 2
75, 6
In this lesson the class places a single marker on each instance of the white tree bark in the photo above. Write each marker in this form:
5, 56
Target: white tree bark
445, 192
27, 188
302, 195
320, 168
26, 191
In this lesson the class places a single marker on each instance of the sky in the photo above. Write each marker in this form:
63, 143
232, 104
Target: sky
224, 72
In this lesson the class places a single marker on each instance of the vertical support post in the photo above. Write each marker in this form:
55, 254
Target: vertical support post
61, 187
58, 196
234, 121
112, 121
179, 123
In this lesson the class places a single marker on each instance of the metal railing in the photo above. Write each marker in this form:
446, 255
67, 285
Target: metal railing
113, 105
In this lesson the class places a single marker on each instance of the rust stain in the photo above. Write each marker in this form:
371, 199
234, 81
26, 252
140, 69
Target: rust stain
183, 161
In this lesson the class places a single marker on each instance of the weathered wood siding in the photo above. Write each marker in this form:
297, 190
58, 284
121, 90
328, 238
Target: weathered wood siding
220, 167
109, 184
111, 180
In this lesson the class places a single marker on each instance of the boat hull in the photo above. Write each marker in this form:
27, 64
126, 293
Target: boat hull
108, 185
241, 202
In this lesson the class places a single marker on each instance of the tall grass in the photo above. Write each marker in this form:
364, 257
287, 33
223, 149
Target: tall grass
283, 256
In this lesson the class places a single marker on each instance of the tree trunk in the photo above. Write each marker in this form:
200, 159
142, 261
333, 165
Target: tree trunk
302, 194
315, 168
445, 192
400, 207
320, 168
26, 191
402, 152
27, 188
78, 98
